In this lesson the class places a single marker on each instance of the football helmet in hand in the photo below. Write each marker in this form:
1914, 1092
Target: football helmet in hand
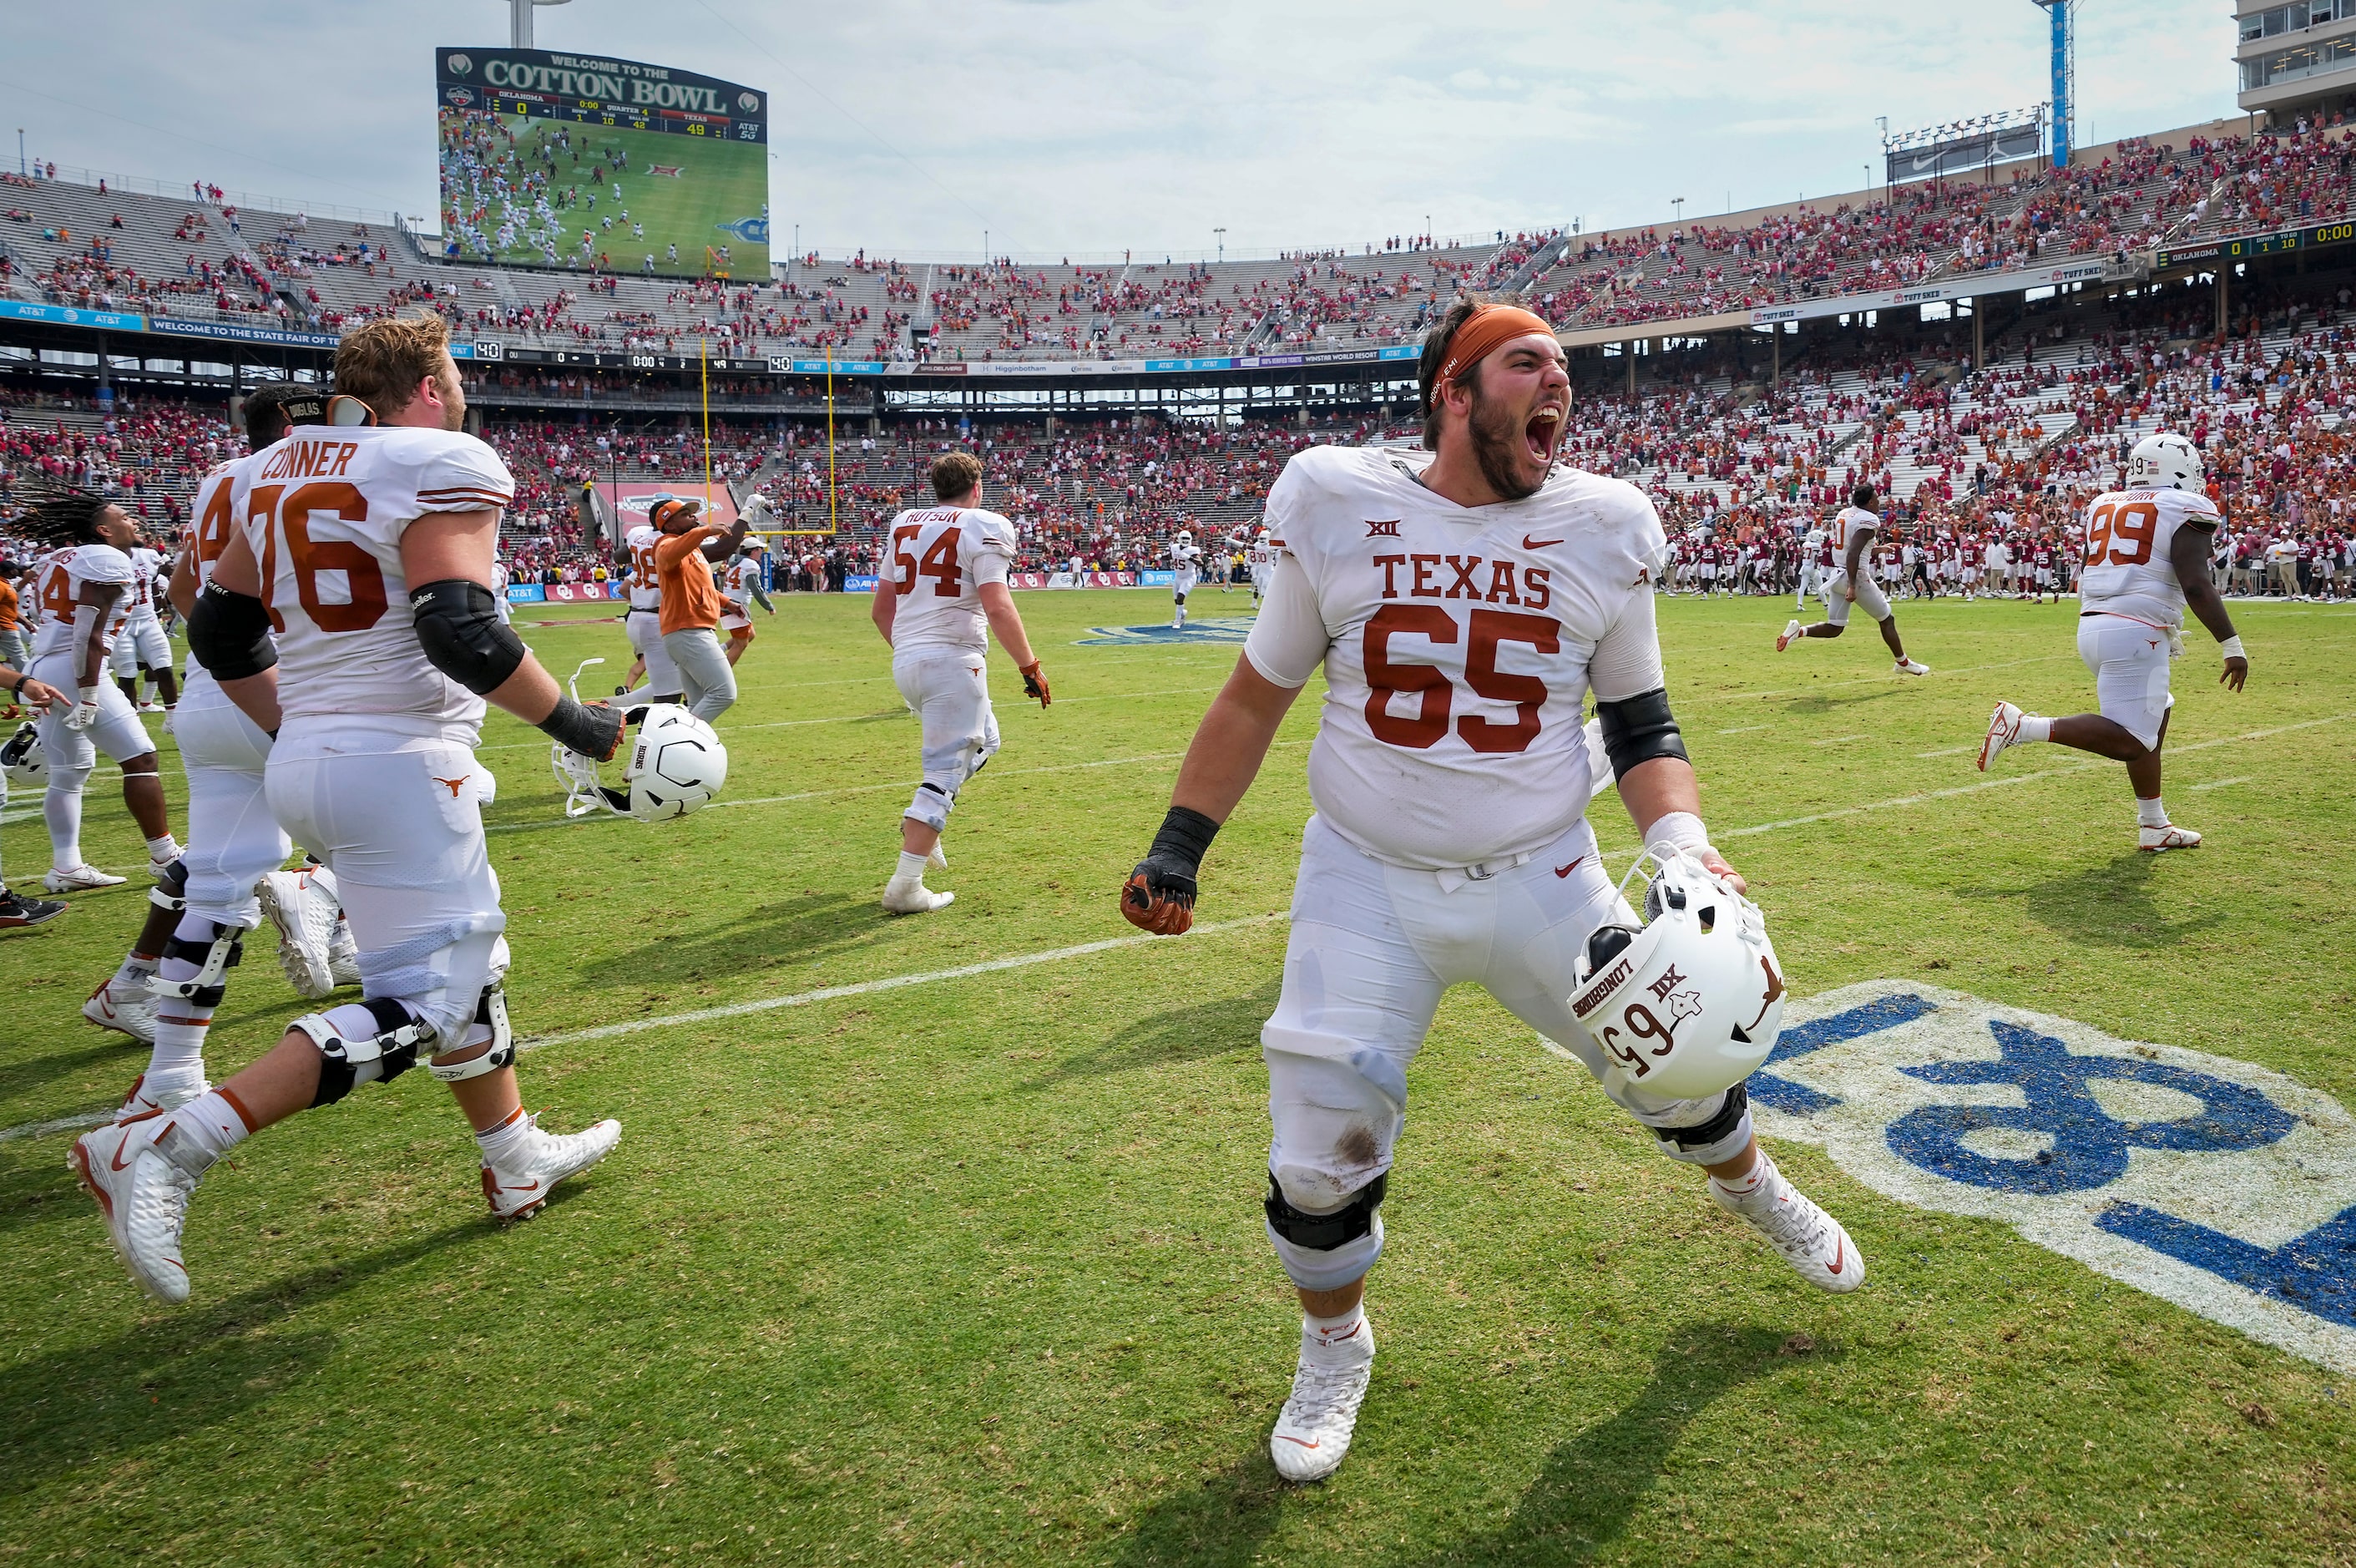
1691, 1002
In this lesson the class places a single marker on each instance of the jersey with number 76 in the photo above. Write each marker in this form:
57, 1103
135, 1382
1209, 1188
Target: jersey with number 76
937, 561
2128, 570
324, 511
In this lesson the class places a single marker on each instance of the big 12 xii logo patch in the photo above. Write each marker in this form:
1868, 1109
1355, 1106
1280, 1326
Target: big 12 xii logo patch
2223, 1187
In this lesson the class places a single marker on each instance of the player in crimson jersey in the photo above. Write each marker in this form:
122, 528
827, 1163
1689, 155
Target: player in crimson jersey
373, 690
1462, 607
2146, 561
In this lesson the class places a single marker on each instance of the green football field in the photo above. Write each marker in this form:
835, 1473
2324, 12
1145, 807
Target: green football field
718, 182
897, 1264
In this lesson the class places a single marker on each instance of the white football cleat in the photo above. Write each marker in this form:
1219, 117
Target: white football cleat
151, 706
141, 1179
343, 953
1313, 1432
1811, 1241
160, 861
909, 896
80, 880
1910, 667
2154, 840
131, 1011
142, 1101
1791, 635
2003, 731
517, 1191
305, 913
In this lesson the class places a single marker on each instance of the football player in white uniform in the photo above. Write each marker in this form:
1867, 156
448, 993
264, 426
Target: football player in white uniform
1462, 608
644, 620
1855, 530
81, 582
741, 580
2146, 561
1261, 559
942, 590
202, 906
1185, 563
140, 646
374, 691
1811, 574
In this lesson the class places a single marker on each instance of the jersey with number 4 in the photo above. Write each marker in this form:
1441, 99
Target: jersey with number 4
1460, 647
2127, 569
215, 510
940, 558
62, 576
325, 512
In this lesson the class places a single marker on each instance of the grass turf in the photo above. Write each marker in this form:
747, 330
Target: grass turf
973, 1271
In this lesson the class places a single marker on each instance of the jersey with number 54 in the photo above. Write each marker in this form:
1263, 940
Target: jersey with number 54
1459, 644
324, 512
938, 560
2127, 568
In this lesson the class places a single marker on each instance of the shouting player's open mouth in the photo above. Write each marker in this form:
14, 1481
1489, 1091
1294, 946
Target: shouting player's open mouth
1542, 430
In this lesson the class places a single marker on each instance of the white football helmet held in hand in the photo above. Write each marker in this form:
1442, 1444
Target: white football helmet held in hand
23, 760
1690, 1003
677, 765
2164, 460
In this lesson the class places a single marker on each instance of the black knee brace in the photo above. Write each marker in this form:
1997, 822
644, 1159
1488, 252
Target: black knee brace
1323, 1233
378, 1059
1729, 1117
213, 959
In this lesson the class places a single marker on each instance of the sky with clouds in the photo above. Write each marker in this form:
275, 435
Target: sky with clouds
1085, 128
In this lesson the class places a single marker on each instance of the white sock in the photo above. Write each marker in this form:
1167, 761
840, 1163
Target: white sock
1750, 1183
1334, 1333
2150, 813
163, 850
911, 866
214, 1120
505, 1142
134, 971
63, 814
2034, 728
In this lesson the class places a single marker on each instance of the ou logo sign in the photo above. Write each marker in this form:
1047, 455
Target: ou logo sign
2223, 1187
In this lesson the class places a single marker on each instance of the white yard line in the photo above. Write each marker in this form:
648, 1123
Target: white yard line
761, 1004
2220, 784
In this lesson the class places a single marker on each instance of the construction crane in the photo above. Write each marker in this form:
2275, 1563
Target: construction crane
2065, 73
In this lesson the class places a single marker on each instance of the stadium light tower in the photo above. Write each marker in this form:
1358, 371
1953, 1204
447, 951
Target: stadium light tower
2065, 73
520, 21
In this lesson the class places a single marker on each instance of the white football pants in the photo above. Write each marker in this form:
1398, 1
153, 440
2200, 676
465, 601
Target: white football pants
1869, 598
141, 641
400, 817
949, 689
1372, 949
2129, 662
645, 627
232, 838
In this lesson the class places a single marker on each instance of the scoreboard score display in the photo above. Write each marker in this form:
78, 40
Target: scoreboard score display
587, 165
2240, 247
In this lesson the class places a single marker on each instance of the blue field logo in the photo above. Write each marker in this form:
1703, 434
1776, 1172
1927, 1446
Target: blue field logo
1231, 629
752, 231
2219, 1185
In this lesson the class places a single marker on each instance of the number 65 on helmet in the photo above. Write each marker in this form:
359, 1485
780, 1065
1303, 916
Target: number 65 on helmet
1691, 1002
677, 765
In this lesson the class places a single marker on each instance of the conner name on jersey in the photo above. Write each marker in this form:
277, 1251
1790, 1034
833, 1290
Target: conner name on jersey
302, 459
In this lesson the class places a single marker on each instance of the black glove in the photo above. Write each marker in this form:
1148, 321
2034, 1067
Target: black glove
592, 729
1159, 894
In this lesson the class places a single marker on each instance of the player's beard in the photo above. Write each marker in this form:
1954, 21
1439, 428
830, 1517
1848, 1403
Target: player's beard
1496, 443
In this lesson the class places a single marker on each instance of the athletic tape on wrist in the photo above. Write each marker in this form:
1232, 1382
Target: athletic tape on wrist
2232, 647
1678, 829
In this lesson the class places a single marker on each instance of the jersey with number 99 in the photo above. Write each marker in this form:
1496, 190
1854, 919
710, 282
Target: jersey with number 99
937, 561
324, 512
2128, 570
1459, 644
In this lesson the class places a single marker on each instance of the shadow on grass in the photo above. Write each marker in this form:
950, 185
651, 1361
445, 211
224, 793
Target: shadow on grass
1593, 1485
28, 1072
800, 928
1221, 1519
1181, 1034
2109, 905
1800, 707
170, 1376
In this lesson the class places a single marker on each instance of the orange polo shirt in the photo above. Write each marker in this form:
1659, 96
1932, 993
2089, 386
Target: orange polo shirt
8, 606
689, 596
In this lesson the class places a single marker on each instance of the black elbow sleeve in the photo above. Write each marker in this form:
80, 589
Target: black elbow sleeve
228, 633
1638, 729
458, 625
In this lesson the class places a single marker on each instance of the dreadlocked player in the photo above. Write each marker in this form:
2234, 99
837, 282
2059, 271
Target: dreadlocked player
81, 583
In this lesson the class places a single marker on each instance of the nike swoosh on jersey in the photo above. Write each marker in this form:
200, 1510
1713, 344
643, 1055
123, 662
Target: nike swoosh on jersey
1529, 543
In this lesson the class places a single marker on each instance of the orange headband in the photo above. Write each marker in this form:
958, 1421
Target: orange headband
1482, 332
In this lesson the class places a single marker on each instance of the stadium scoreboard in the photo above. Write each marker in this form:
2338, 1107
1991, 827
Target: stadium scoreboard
2241, 247
582, 162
